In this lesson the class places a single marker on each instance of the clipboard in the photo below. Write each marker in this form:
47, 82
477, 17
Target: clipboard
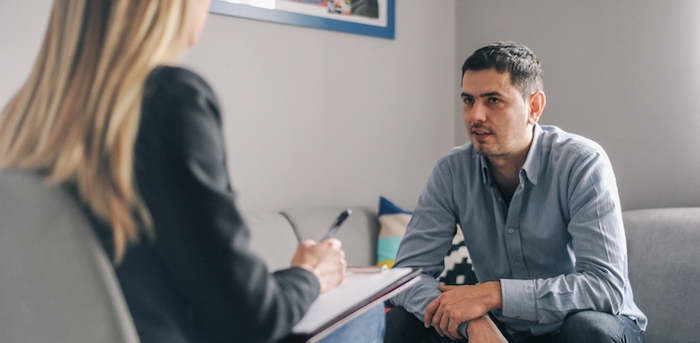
362, 289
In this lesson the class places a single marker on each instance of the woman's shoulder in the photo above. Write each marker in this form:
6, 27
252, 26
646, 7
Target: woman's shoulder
176, 81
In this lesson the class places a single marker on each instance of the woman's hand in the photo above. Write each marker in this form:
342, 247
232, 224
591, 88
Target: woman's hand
325, 259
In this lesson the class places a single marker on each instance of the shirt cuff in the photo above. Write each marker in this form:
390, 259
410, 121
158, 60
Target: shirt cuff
519, 299
462, 329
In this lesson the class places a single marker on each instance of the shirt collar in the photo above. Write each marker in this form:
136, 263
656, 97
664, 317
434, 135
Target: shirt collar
531, 167
485, 174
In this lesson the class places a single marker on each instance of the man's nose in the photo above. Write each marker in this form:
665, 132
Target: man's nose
477, 113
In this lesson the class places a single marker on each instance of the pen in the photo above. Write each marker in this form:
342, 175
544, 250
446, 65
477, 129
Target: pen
336, 225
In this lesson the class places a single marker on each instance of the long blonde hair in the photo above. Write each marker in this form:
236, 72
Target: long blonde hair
76, 117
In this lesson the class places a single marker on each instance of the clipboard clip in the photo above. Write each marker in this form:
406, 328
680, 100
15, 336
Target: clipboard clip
368, 270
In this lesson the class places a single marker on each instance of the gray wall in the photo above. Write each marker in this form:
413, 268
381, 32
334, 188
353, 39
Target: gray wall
625, 73
312, 117
315, 118
22, 26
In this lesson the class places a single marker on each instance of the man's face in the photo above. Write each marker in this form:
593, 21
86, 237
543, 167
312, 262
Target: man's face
497, 117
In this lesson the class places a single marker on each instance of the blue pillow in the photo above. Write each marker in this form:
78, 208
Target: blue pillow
392, 227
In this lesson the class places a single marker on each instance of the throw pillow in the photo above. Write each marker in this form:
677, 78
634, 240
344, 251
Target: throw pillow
392, 227
458, 270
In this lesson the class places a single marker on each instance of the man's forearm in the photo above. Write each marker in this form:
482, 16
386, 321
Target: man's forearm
484, 330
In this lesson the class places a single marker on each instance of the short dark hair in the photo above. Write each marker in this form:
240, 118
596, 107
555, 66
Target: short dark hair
518, 60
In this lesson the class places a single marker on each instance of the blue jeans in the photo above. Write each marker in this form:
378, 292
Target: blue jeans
367, 328
594, 326
580, 327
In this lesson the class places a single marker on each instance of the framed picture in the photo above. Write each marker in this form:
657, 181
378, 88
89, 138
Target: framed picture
364, 17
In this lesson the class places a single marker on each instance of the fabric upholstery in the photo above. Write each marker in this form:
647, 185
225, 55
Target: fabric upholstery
358, 233
272, 238
664, 269
458, 269
56, 283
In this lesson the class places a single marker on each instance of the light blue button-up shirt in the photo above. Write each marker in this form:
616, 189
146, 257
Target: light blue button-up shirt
557, 248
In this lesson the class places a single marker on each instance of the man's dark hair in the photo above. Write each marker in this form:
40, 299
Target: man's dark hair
518, 60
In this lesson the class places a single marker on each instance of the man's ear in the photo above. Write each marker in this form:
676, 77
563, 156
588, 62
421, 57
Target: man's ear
536, 103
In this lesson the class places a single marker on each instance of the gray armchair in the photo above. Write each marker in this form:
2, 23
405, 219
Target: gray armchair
56, 282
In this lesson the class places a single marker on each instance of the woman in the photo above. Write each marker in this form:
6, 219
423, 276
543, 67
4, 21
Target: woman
106, 113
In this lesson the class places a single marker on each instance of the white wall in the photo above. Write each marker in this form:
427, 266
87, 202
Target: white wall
22, 24
625, 73
312, 117
316, 117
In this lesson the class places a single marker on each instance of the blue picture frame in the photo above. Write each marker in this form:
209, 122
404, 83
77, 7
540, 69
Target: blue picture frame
291, 18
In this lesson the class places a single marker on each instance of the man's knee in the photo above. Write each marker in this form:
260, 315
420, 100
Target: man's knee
404, 327
401, 325
595, 326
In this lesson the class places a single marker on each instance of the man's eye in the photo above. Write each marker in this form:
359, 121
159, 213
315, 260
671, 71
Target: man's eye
494, 100
468, 101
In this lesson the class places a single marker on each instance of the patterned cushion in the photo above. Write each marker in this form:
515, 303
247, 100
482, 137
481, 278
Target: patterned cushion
458, 270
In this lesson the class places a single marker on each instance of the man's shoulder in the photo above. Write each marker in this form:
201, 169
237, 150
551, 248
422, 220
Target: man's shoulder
461, 156
461, 152
566, 144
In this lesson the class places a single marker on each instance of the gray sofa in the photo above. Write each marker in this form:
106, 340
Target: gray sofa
55, 284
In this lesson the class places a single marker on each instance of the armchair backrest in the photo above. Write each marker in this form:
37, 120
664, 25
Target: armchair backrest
56, 282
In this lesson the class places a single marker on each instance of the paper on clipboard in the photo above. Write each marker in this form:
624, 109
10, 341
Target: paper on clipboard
358, 289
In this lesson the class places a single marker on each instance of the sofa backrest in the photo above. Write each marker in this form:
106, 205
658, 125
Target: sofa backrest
358, 233
272, 238
664, 270
56, 282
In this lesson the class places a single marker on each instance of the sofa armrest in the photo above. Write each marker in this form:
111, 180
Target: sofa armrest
664, 270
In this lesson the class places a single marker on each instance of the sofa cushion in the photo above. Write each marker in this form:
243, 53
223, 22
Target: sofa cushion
358, 233
664, 270
458, 270
272, 238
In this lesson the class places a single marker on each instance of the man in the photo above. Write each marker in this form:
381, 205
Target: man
540, 213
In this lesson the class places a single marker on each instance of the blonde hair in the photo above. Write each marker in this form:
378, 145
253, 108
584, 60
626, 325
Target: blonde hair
76, 117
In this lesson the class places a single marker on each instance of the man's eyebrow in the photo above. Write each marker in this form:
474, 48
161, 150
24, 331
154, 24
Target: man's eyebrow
483, 95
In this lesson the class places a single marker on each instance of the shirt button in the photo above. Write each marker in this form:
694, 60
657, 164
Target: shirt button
517, 264
511, 230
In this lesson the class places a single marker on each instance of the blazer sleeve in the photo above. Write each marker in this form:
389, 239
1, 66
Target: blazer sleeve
200, 237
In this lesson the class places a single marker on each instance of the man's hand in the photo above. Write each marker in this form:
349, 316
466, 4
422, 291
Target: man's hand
325, 259
458, 304
484, 330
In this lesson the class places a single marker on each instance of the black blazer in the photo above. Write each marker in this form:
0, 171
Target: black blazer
198, 281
